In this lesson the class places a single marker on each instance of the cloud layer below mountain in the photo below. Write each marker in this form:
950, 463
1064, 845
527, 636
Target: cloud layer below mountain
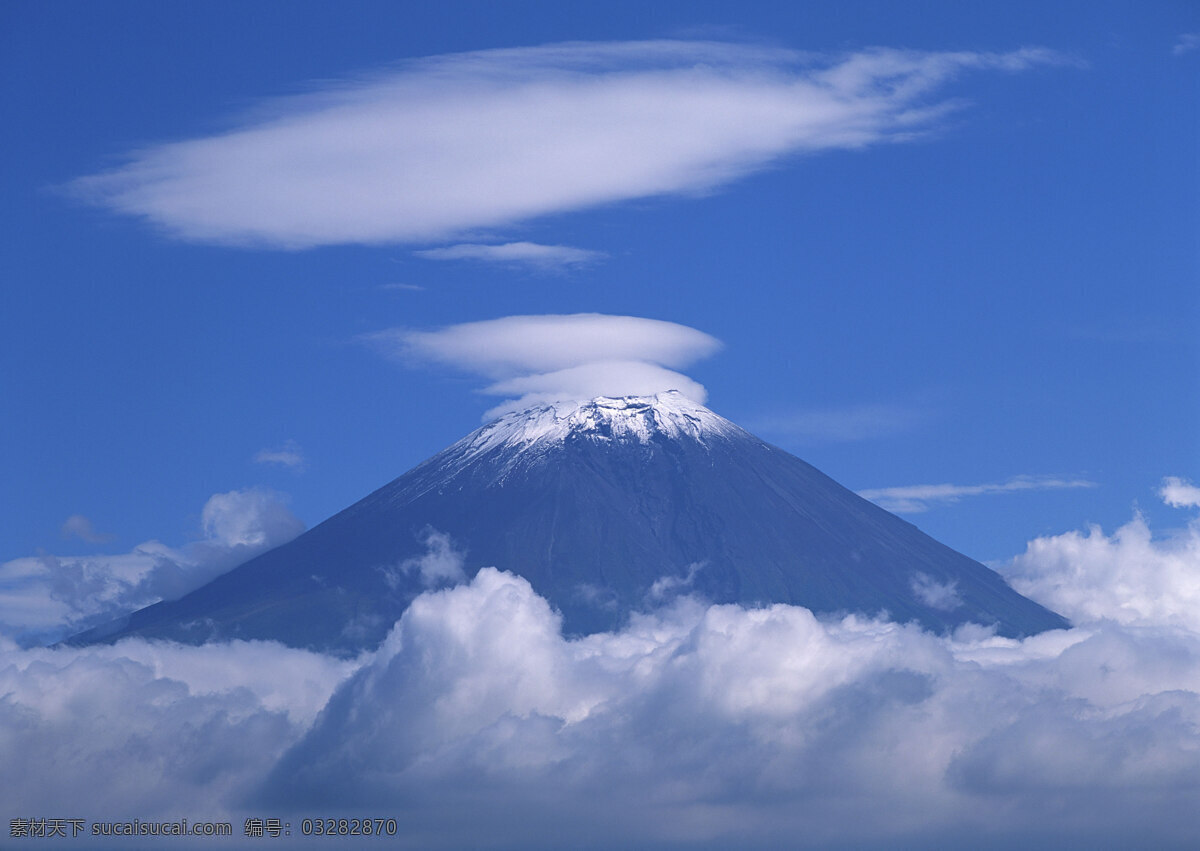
709, 726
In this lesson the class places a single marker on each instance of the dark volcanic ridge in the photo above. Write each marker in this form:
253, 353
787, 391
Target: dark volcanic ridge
605, 507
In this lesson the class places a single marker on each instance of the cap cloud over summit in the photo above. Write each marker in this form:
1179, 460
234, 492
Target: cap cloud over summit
560, 358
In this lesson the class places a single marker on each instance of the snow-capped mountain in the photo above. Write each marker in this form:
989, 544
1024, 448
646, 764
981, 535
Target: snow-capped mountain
606, 507
529, 437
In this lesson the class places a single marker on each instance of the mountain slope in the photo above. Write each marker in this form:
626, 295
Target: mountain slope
594, 504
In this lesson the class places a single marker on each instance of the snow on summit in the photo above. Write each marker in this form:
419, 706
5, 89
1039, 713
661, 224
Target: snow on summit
620, 418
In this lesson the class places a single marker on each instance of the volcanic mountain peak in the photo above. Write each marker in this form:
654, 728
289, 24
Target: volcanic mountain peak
595, 503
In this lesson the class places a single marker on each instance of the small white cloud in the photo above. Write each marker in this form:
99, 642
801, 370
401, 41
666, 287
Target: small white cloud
415, 288
441, 564
563, 358
668, 587
914, 499
1178, 493
451, 145
289, 455
251, 518
546, 258
938, 595
1186, 44
78, 526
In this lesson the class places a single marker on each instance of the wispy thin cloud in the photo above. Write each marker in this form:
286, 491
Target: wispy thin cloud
914, 499
1186, 44
401, 288
435, 149
78, 526
289, 455
545, 258
939, 595
550, 358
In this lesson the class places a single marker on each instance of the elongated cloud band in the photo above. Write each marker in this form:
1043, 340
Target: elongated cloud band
913, 499
442, 147
528, 254
551, 358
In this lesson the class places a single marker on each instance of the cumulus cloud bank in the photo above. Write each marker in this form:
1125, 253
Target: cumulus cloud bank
718, 726
151, 730
1128, 577
551, 358
477, 724
45, 598
438, 148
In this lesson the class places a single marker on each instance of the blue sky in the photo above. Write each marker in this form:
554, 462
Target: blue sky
261, 258
991, 286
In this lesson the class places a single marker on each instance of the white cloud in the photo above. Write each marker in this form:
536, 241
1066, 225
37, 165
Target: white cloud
589, 380
939, 595
1130, 577
524, 344
45, 598
252, 518
1177, 493
440, 564
666, 588
289, 455
546, 258
558, 358
439, 148
913, 499
695, 725
1186, 44
132, 730
721, 726
78, 526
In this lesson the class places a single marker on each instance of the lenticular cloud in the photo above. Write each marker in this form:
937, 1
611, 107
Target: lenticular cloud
444, 147
477, 723
554, 358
